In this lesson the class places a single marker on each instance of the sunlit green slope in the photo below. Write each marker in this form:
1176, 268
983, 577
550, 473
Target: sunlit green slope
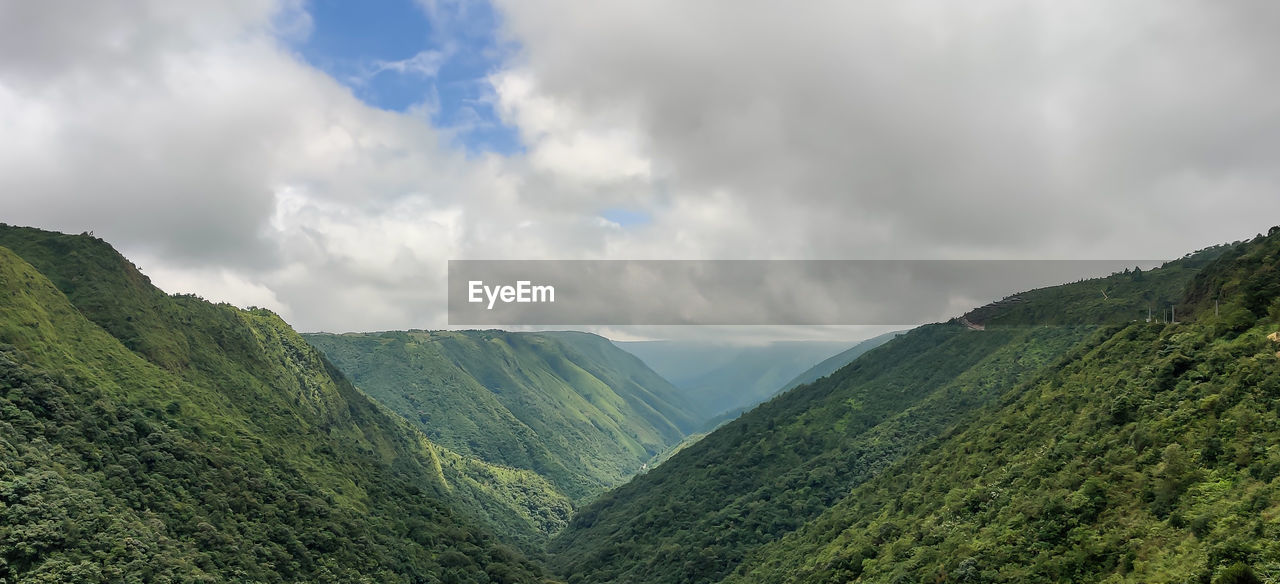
153, 438
569, 406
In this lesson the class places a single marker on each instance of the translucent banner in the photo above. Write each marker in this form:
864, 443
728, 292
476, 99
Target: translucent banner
746, 292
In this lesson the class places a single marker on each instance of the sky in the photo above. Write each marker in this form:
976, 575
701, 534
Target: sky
326, 159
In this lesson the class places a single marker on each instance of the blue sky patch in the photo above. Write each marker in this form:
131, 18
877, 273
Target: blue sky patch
395, 56
626, 217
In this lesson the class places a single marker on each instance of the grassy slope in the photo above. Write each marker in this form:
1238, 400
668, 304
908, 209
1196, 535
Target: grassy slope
571, 407
1149, 456
217, 439
703, 512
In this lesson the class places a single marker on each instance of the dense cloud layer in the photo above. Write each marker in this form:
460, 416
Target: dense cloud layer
978, 127
190, 135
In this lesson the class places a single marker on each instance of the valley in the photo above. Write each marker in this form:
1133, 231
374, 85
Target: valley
1062, 437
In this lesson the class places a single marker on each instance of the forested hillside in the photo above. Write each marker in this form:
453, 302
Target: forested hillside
718, 508
570, 406
150, 438
1058, 435
1149, 455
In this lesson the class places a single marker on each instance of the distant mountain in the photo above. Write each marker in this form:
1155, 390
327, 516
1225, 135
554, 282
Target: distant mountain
720, 378
1070, 440
823, 369
155, 438
570, 406
834, 363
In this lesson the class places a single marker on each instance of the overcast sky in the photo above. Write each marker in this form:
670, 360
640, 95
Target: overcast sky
326, 159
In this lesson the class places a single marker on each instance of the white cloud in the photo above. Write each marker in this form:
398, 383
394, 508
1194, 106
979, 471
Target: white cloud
925, 128
424, 63
190, 136
215, 285
595, 151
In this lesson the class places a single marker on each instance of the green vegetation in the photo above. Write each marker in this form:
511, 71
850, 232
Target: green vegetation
893, 468
694, 517
145, 437
1122, 297
662, 457
570, 406
1148, 456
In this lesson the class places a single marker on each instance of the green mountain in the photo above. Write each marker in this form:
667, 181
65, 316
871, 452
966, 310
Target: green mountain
1058, 435
570, 406
722, 380
868, 471
1148, 454
155, 438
